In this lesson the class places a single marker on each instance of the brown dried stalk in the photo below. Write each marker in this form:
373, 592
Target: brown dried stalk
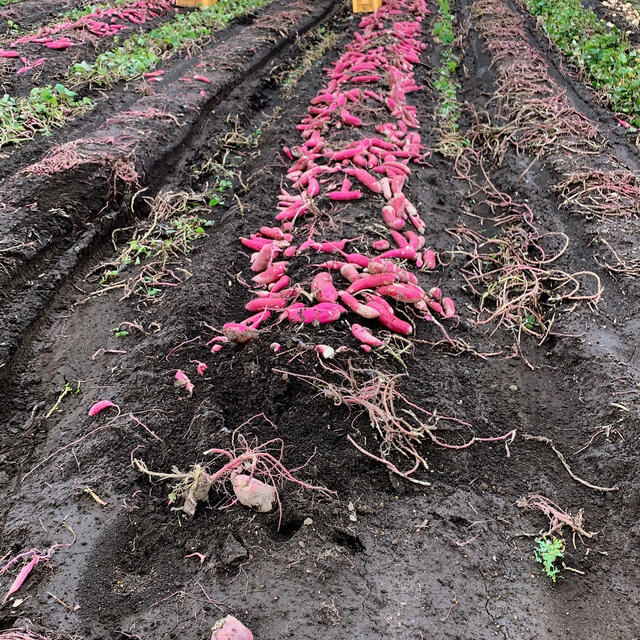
623, 265
512, 276
557, 517
600, 194
401, 425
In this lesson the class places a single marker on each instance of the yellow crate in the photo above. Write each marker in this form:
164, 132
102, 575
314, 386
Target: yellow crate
365, 6
195, 3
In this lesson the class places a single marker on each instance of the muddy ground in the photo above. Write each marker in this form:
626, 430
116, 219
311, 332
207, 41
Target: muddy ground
382, 558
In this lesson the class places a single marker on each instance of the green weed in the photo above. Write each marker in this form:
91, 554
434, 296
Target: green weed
547, 552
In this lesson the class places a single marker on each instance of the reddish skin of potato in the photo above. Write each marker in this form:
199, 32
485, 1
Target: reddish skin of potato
260, 261
260, 304
406, 253
448, 307
367, 180
99, 406
344, 195
349, 272
280, 284
322, 313
408, 293
390, 219
274, 233
273, 273
429, 257
357, 307
389, 320
399, 239
323, 289
372, 282
255, 244
256, 320
365, 336
349, 119
358, 259
335, 265
435, 306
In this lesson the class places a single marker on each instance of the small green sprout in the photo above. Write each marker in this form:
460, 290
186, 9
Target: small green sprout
547, 552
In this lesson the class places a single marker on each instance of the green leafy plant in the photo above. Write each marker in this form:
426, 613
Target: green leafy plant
443, 26
547, 552
604, 54
44, 108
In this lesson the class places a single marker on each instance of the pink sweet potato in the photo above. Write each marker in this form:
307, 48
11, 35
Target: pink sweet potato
260, 304
99, 406
365, 336
349, 272
321, 313
182, 380
372, 282
357, 307
388, 319
408, 293
230, 628
344, 195
449, 307
322, 288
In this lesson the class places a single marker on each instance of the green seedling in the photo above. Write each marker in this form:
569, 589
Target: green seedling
547, 552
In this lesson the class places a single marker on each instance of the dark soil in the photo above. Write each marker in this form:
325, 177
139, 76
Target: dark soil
384, 558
